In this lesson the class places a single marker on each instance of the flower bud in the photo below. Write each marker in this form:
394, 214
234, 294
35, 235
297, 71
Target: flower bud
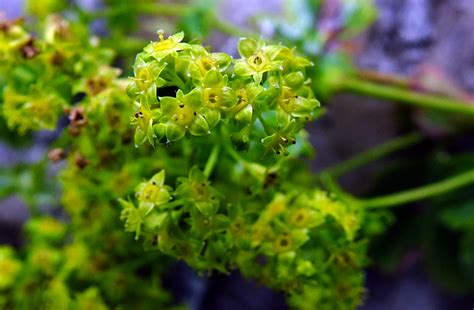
295, 79
247, 47
199, 127
174, 132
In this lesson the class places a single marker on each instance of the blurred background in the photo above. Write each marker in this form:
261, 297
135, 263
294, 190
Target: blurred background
428, 44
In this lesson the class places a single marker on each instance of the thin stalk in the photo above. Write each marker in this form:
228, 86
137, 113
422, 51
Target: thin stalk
423, 192
233, 153
373, 154
212, 160
144, 8
178, 10
443, 104
229, 28
330, 184
169, 9
171, 205
228, 147
267, 128
389, 79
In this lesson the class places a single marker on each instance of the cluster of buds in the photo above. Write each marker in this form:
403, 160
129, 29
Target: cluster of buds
263, 96
47, 72
281, 243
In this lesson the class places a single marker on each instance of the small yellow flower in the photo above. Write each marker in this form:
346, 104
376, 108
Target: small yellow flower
300, 218
283, 243
165, 47
9, 267
154, 192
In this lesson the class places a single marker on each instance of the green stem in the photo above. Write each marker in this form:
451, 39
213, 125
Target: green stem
419, 193
179, 10
268, 130
373, 154
330, 184
229, 28
233, 153
421, 100
382, 78
127, 44
145, 8
168, 9
228, 146
170, 205
212, 160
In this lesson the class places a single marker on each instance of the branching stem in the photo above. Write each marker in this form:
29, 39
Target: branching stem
170, 205
423, 192
405, 96
212, 160
373, 154
178, 10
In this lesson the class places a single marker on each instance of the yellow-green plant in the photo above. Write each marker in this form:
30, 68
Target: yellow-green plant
197, 157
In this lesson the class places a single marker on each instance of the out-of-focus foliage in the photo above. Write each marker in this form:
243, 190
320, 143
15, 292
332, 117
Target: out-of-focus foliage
30, 182
323, 30
318, 27
90, 261
442, 231
205, 152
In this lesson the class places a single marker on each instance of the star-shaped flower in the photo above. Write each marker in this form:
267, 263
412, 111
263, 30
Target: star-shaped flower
182, 114
165, 47
196, 190
257, 59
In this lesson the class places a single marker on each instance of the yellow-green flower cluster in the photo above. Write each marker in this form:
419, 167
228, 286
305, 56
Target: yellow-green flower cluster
10, 267
45, 74
289, 243
181, 88
78, 262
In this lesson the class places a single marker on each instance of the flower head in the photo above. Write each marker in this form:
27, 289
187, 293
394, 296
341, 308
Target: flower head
153, 192
150, 194
196, 190
183, 114
257, 59
243, 110
200, 62
295, 104
143, 119
165, 47
216, 94
147, 78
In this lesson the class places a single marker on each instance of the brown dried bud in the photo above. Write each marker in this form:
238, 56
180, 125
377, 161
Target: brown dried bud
271, 179
80, 161
29, 50
77, 117
77, 120
57, 59
56, 155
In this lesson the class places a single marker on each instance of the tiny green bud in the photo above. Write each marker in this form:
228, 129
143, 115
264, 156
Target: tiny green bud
174, 132
295, 79
247, 47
